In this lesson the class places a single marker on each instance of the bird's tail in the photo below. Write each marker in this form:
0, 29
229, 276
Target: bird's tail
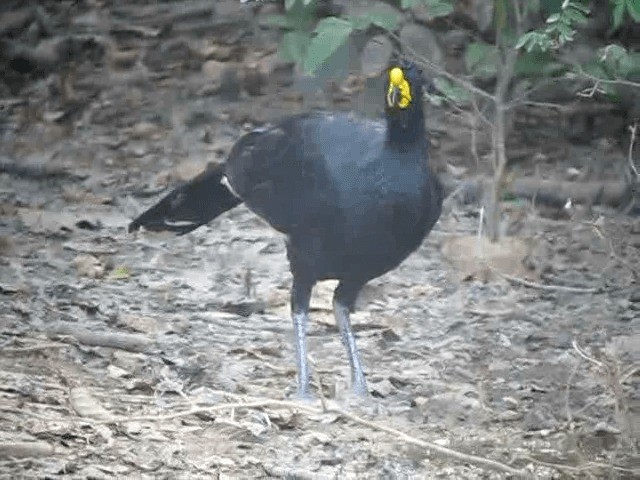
191, 205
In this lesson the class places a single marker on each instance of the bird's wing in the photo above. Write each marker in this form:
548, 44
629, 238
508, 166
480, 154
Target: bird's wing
280, 172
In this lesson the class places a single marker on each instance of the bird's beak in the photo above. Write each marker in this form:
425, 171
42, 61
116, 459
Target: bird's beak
393, 96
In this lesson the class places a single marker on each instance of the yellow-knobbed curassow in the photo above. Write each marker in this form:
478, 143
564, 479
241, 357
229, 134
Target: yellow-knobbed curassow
354, 198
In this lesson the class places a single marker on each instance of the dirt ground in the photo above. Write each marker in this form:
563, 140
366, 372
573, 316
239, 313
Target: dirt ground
154, 356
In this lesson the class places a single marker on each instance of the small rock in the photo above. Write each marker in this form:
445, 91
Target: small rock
140, 323
509, 416
223, 53
572, 173
421, 402
143, 131
382, 389
603, 428
535, 420
89, 266
117, 372
214, 69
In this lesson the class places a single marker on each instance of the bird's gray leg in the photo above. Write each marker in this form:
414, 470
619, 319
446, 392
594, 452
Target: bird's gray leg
300, 297
344, 299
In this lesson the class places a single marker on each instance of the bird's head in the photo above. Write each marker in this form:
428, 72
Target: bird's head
404, 87
403, 103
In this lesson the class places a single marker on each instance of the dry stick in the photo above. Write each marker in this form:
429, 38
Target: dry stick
33, 348
444, 451
440, 71
584, 355
633, 129
209, 409
547, 288
130, 342
581, 468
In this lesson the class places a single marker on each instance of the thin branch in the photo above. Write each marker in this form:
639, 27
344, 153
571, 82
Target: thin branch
633, 129
442, 72
33, 348
584, 355
581, 468
547, 288
444, 451
617, 81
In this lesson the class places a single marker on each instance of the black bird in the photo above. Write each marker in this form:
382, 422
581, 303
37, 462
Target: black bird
354, 197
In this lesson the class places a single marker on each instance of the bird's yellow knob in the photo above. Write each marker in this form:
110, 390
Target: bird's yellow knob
396, 77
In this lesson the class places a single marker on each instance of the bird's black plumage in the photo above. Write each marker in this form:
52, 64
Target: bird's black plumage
355, 197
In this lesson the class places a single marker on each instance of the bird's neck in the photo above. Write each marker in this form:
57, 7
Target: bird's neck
406, 128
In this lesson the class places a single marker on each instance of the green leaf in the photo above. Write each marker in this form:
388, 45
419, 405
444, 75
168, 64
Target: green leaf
618, 14
383, 19
481, 59
451, 91
630, 65
594, 69
281, 21
288, 4
633, 7
294, 46
331, 33
575, 15
524, 40
553, 18
580, 7
120, 273
410, 3
439, 8
534, 41
611, 57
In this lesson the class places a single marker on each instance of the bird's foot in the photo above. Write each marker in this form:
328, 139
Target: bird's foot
359, 386
305, 396
300, 393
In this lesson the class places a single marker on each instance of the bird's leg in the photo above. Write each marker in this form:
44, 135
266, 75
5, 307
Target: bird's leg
300, 297
344, 299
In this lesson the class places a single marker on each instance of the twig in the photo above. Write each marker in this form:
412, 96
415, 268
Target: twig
490, 313
547, 288
440, 71
633, 129
208, 409
628, 374
567, 395
581, 468
444, 451
618, 81
33, 348
130, 342
583, 354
